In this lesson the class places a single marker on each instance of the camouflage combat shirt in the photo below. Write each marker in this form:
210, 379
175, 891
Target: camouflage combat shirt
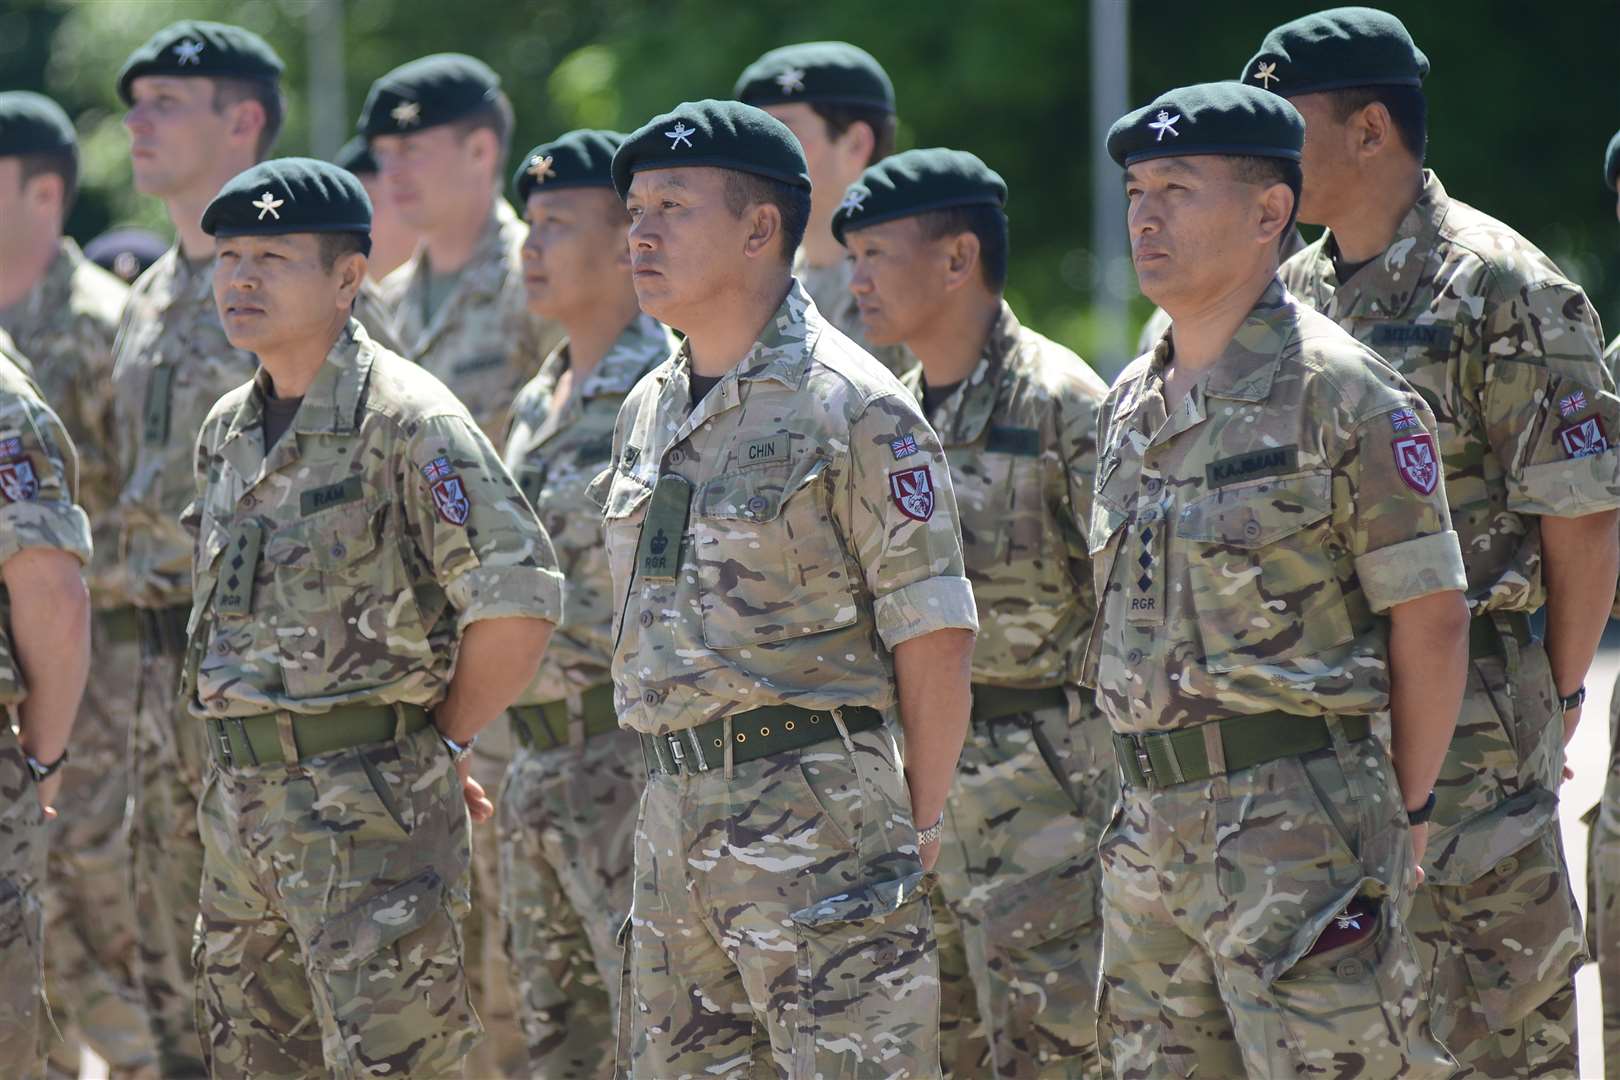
1507, 352
171, 362
481, 342
1020, 434
555, 454
819, 531
39, 476
342, 567
1246, 545
65, 327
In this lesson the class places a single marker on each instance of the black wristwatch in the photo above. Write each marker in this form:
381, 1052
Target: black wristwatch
1572, 701
1422, 814
42, 771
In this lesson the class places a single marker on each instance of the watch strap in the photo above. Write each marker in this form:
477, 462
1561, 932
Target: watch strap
1422, 814
41, 770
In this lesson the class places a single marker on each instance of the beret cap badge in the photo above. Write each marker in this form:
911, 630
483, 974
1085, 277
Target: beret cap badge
678, 134
268, 204
407, 114
1164, 123
791, 81
189, 52
1265, 73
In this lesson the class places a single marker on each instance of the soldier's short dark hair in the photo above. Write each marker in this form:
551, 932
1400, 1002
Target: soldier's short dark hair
60, 163
335, 245
791, 201
1407, 107
1266, 171
231, 91
494, 115
987, 222
838, 119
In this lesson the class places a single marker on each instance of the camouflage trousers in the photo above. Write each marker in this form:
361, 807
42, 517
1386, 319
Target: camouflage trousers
90, 893
166, 857
333, 895
567, 822
1603, 893
22, 924
504, 1050
1496, 922
1018, 880
783, 906
1255, 924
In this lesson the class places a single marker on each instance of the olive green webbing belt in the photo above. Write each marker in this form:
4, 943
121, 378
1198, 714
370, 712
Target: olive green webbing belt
757, 733
1162, 759
1487, 631
992, 703
545, 726
244, 741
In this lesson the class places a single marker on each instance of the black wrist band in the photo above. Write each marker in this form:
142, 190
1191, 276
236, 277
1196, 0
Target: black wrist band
1422, 814
1572, 701
40, 770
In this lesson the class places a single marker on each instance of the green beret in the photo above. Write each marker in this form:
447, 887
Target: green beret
290, 195
818, 72
1331, 50
1209, 118
916, 182
722, 134
1611, 162
34, 124
355, 155
426, 92
192, 47
582, 158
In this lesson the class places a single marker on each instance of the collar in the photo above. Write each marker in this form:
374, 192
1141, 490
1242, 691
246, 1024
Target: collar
641, 345
1417, 234
331, 405
50, 296
1250, 360
966, 413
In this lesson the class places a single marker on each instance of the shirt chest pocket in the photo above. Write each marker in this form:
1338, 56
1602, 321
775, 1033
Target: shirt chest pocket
998, 496
339, 602
624, 510
770, 563
1261, 569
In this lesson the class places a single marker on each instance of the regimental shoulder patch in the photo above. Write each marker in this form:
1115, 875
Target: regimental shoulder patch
1584, 439
903, 447
1401, 419
1417, 462
449, 494
18, 482
1573, 404
913, 492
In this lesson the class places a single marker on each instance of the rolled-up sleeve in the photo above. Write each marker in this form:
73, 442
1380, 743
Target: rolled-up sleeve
901, 519
487, 549
38, 482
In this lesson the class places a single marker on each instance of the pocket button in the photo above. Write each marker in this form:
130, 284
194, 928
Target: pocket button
1348, 969
1507, 867
756, 506
1251, 529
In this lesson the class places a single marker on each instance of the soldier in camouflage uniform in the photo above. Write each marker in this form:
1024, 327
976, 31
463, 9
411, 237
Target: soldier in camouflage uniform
62, 311
567, 810
371, 590
1603, 820
44, 659
203, 104
1274, 569
838, 101
439, 128
1017, 415
788, 588
1506, 350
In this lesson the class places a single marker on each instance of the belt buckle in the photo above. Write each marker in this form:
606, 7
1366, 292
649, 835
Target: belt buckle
1144, 763
224, 738
674, 741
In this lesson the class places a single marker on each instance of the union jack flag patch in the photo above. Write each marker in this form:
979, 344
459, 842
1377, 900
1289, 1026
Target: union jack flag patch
1401, 419
903, 447
438, 468
1573, 404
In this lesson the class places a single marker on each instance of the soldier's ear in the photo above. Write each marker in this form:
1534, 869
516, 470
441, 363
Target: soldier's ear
962, 253
764, 227
351, 273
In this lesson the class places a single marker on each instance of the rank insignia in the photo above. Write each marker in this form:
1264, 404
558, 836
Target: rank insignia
913, 492
903, 447
18, 482
1401, 419
1584, 439
1573, 404
1417, 462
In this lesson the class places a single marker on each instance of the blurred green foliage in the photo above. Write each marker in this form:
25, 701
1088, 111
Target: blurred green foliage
1521, 104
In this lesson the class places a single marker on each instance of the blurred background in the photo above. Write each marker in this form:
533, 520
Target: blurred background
1517, 125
